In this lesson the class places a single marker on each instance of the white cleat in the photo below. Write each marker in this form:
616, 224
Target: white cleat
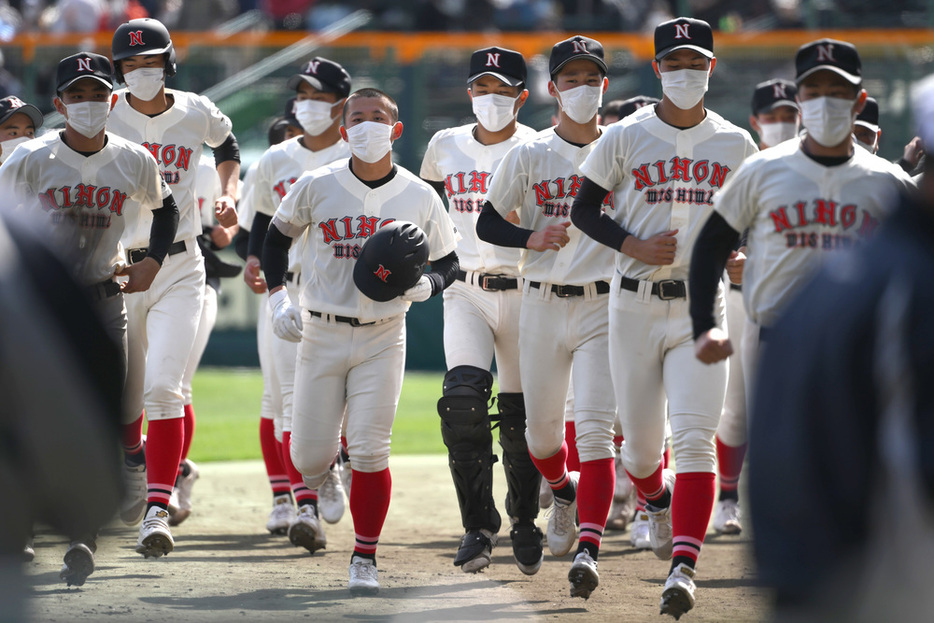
678, 596
726, 517
364, 577
331, 496
282, 515
583, 575
306, 531
180, 503
133, 506
660, 531
562, 523
639, 531
155, 539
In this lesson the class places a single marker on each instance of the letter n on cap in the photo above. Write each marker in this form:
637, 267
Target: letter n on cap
84, 64
313, 66
136, 37
492, 59
825, 53
778, 91
580, 46
382, 273
681, 31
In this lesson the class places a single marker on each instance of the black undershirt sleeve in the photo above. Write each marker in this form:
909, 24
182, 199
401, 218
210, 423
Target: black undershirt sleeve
275, 257
711, 251
438, 186
493, 228
587, 215
258, 234
443, 272
228, 150
163, 230
241, 243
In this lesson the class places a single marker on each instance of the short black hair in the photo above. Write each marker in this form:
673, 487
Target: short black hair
368, 93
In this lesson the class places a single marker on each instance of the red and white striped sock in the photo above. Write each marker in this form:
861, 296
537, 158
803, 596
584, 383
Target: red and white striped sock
303, 495
691, 507
594, 497
369, 504
164, 440
554, 468
272, 457
730, 465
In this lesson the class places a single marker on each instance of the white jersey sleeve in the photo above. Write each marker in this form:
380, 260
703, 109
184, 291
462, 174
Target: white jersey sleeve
207, 190
245, 210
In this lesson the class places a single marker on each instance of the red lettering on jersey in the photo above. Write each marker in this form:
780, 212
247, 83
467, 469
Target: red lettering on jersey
681, 31
366, 226
542, 192
868, 225
802, 216
329, 229
154, 150
701, 170
136, 37
575, 185
102, 198
461, 187
348, 227
478, 181
448, 187
608, 201
280, 189
780, 220
847, 215
85, 195
826, 212
47, 199
66, 196
719, 175
660, 165
679, 169
642, 176
559, 188
184, 158
382, 273
168, 155
116, 206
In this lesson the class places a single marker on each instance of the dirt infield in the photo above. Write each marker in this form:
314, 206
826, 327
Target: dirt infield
226, 567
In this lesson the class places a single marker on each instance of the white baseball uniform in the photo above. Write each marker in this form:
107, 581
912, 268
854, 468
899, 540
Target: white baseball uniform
276, 170
663, 178
338, 361
163, 321
540, 178
477, 323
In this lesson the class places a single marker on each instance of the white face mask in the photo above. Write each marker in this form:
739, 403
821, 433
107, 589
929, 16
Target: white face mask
144, 83
581, 103
7, 146
829, 120
771, 134
685, 88
88, 118
315, 116
370, 141
494, 112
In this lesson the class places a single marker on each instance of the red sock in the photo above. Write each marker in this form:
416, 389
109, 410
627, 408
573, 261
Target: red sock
189, 431
617, 441
640, 500
132, 436
730, 464
652, 487
554, 468
666, 458
272, 456
691, 507
369, 504
299, 490
163, 453
570, 440
594, 496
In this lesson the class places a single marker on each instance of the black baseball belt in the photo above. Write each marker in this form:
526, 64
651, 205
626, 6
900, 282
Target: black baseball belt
103, 290
602, 287
666, 290
353, 322
487, 281
134, 256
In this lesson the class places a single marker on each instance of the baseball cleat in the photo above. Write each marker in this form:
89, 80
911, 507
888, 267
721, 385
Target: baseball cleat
678, 596
364, 577
78, 564
545, 495
155, 539
726, 517
475, 550
180, 503
562, 522
133, 506
282, 515
527, 546
29, 550
331, 496
583, 575
624, 500
306, 531
660, 532
639, 531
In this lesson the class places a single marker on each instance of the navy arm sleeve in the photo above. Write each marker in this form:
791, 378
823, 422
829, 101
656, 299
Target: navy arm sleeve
711, 251
275, 257
438, 186
228, 150
493, 228
586, 214
241, 243
164, 227
443, 272
258, 234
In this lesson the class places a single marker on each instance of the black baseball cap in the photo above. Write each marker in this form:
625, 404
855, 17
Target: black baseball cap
84, 65
683, 33
839, 57
11, 105
574, 48
627, 107
289, 115
324, 75
771, 94
869, 118
502, 64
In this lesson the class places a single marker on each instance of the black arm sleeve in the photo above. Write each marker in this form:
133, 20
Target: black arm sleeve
275, 257
711, 251
164, 227
493, 228
438, 186
228, 150
258, 234
443, 272
590, 219
240, 243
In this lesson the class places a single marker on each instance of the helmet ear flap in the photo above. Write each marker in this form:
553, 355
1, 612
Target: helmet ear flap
170, 66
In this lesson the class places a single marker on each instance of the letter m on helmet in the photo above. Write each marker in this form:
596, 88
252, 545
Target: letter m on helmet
136, 37
382, 273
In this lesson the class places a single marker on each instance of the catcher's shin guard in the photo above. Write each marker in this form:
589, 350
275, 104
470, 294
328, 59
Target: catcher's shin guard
522, 477
465, 428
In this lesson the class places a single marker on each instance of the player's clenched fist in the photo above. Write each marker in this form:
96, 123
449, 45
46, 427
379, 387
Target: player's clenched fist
713, 346
252, 276
734, 266
225, 211
140, 275
552, 238
658, 250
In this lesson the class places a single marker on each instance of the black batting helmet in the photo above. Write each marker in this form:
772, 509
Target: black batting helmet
391, 261
142, 36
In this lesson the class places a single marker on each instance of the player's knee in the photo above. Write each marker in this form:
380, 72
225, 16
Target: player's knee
594, 438
641, 462
694, 449
370, 463
464, 406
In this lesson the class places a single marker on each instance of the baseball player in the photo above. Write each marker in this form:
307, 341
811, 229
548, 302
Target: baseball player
775, 116
866, 128
481, 319
322, 86
663, 164
18, 123
92, 185
620, 109
163, 323
352, 348
800, 202
563, 318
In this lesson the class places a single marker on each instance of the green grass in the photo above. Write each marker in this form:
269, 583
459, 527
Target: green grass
227, 404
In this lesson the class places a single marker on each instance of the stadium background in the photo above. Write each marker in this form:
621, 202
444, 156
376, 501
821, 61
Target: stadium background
245, 74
